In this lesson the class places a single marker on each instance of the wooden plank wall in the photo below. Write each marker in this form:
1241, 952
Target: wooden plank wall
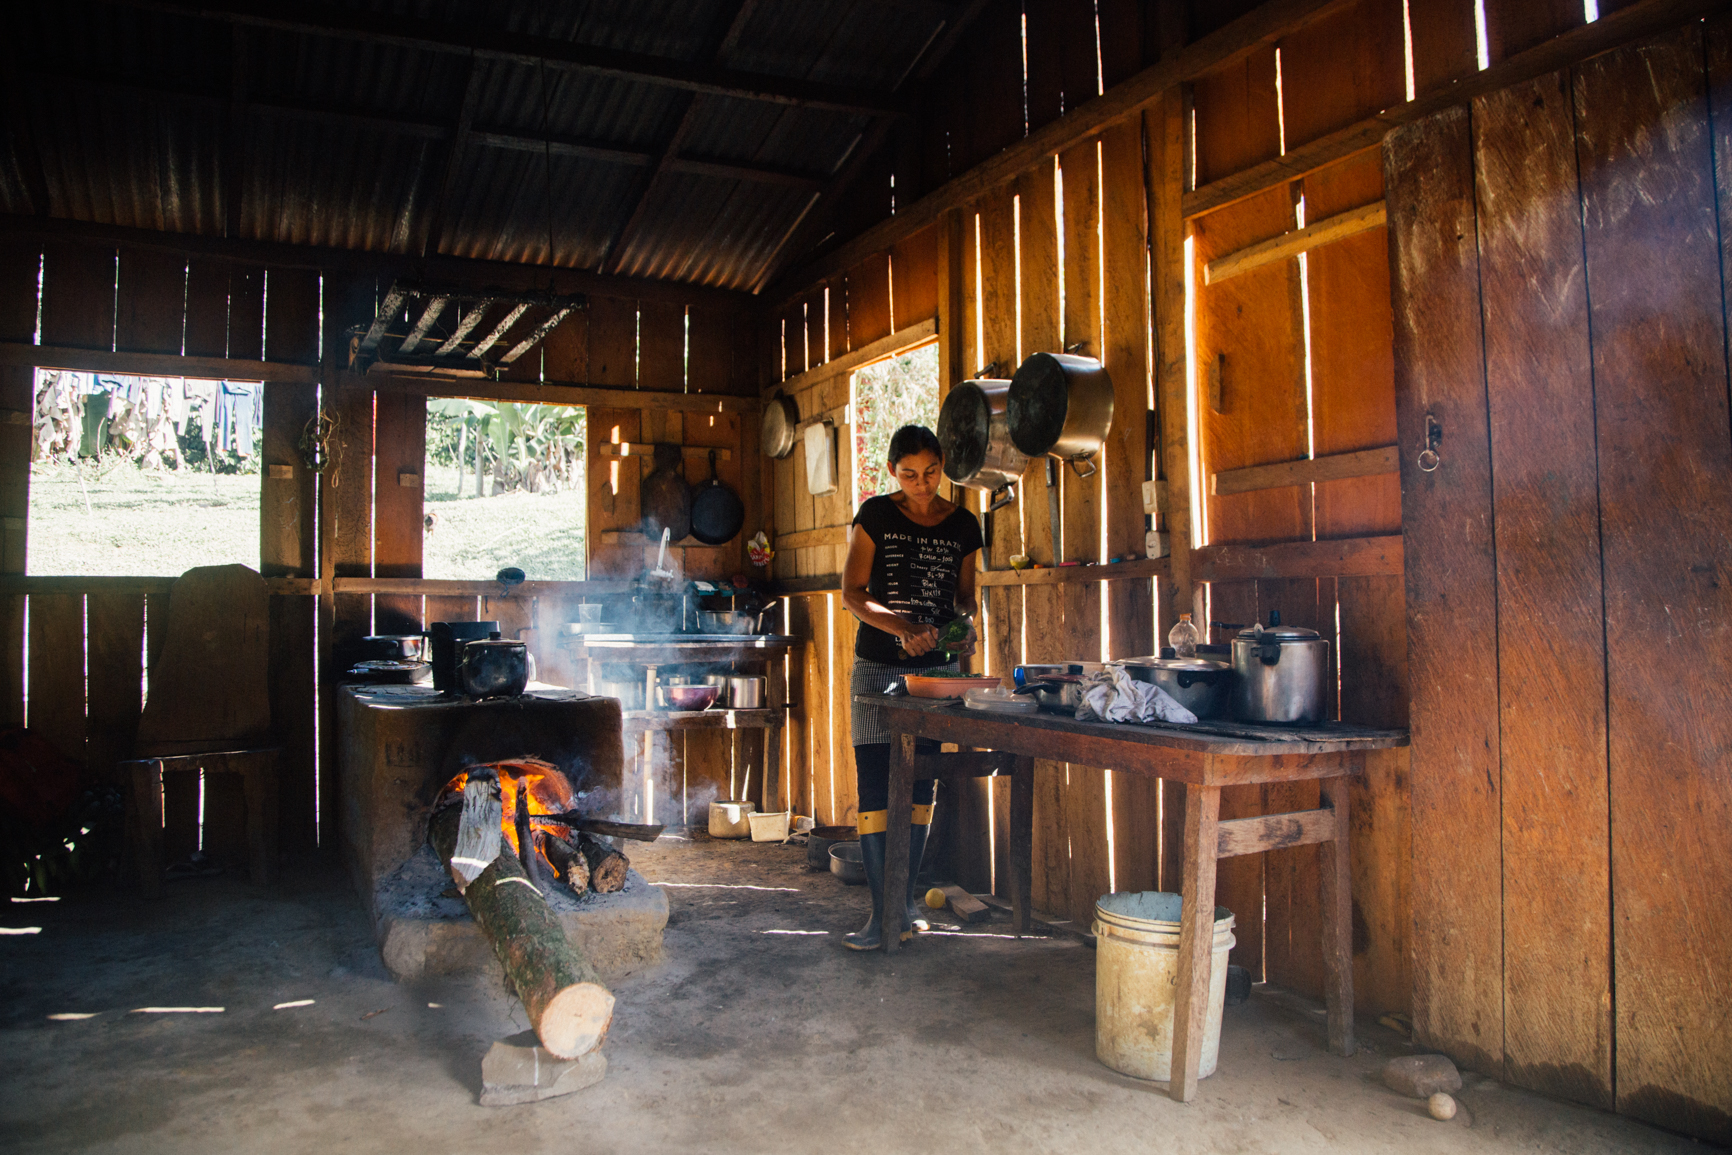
1570, 787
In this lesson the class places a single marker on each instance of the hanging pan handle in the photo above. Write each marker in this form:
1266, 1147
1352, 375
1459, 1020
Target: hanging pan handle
1077, 463
1002, 496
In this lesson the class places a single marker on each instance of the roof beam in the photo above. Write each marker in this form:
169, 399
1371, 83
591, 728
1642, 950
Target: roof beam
563, 55
433, 224
235, 143
620, 242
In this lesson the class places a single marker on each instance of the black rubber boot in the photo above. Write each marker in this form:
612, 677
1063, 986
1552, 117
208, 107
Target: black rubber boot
870, 936
916, 850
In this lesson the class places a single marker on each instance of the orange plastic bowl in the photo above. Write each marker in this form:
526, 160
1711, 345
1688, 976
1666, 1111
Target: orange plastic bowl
921, 686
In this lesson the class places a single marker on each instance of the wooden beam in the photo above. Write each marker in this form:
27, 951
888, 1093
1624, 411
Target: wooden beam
1059, 575
967, 764
1291, 244
1638, 20
916, 334
154, 364
495, 43
1345, 557
506, 277
425, 587
556, 393
647, 449
11, 584
1261, 26
1334, 467
812, 538
1238, 836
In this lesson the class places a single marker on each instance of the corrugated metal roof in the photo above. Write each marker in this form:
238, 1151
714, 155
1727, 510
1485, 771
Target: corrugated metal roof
140, 117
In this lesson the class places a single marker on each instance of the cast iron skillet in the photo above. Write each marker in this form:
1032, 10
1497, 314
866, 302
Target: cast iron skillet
667, 500
716, 510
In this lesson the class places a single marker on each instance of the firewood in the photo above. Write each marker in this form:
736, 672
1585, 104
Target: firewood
566, 1002
526, 854
607, 866
573, 867
478, 835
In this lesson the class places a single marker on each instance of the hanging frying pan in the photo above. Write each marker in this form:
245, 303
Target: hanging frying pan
780, 417
666, 499
717, 513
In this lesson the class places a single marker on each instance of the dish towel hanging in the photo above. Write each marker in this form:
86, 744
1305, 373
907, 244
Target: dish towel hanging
1114, 696
820, 459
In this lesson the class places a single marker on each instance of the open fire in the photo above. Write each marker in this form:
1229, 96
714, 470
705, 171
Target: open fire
539, 824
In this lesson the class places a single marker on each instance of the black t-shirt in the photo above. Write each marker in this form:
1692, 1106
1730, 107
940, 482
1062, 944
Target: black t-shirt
915, 569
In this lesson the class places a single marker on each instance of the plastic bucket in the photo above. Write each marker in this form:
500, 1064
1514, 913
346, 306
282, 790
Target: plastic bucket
1137, 976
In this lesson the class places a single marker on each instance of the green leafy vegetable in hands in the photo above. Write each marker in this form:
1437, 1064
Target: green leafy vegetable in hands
953, 634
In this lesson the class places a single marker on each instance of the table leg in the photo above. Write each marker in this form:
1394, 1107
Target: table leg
1021, 835
1336, 880
896, 844
1196, 939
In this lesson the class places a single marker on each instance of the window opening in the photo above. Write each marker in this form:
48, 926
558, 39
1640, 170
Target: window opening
884, 396
142, 476
504, 485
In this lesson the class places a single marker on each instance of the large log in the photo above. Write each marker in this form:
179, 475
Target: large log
573, 867
566, 1002
607, 866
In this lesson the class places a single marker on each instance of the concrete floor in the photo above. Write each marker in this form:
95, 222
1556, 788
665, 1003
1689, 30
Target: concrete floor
743, 1040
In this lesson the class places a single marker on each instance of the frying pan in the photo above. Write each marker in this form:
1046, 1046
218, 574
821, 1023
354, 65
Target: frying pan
716, 510
781, 415
667, 500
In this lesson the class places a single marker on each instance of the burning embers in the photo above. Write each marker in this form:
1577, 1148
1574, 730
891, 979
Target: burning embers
537, 822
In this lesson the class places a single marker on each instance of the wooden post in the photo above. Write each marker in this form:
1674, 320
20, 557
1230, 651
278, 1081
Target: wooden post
1021, 835
1196, 939
1336, 881
896, 843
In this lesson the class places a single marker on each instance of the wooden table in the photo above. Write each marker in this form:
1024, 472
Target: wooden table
1234, 755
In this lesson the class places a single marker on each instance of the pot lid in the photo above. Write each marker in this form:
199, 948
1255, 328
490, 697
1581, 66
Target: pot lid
1279, 634
1199, 665
495, 643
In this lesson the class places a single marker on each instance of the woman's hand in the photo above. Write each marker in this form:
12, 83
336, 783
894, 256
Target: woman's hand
918, 639
967, 645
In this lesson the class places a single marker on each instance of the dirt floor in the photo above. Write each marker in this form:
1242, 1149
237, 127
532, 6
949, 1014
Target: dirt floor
758, 1033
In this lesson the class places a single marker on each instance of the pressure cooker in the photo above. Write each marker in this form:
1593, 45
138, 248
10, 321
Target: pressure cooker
1280, 674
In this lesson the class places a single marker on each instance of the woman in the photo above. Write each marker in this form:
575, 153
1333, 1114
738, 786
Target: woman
910, 570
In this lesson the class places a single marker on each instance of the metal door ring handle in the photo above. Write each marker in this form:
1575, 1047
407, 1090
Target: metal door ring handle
1428, 460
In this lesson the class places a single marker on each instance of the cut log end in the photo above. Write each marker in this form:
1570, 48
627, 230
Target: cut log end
575, 1021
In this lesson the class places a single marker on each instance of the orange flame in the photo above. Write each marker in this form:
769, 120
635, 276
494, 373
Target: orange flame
549, 792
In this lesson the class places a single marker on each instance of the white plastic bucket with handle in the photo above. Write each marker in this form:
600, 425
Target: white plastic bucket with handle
1137, 978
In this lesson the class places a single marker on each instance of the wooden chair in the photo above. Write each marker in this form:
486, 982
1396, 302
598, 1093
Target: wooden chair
209, 710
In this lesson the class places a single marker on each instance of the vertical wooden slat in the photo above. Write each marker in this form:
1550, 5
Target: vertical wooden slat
1512, 26
1557, 949
20, 265
1338, 70
151, 294
1080, 540
1654, 262
565, 351
346, 550
796, 741
612, 341
914, 278
399, 441
608, 510
710, 369
1239, 880
1444, 46
116, 641
286, 504
1451, 593
663, 346
291, 317
207, 308
1238, 120
868, 302
247, 313
57, 672
78, 295
293, 719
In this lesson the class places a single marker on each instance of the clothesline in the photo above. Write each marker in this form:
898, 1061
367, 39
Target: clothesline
85, 414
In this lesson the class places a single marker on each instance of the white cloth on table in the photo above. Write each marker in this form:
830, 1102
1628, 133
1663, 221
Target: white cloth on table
1114, 696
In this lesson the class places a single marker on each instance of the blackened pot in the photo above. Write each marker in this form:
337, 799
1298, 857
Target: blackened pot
493, 668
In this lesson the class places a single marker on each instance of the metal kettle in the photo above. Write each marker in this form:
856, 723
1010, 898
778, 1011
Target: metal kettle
1280, 674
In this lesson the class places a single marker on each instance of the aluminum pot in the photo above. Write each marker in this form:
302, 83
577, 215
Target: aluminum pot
1199, 685
1055, 686
629, 692
1280, 672
726, 622
1061, 404
746, 692
493, 668
974, 433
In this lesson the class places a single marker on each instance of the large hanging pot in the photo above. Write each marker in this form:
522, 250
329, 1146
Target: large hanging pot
974, 433
1061, 404
665, 498
716, 510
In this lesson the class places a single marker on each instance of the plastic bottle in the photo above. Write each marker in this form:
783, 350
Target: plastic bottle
1183, 638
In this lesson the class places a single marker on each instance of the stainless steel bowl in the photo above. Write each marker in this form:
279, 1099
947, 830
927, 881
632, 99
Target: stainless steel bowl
1199, 685
845, 863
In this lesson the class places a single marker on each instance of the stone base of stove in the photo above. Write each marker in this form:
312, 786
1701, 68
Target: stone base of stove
422, 931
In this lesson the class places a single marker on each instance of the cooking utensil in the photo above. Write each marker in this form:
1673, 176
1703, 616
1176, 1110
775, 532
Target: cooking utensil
731, 818
1280, 671
691, 697
974, 433
726, 622
927, 686
1061, 404
819, 841
665, 497
493, 667
1053, 686
1053, 521
746, 692
395, 647
997, 700
446, 639
717, 513
845, 863
1201, 686
391, 672
781, 415
629, 691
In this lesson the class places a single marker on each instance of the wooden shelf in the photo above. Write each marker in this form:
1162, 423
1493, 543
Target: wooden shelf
647, 450
633, 537
639, 721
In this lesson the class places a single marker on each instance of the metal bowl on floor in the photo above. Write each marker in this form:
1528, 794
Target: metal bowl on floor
821, 839
845, 863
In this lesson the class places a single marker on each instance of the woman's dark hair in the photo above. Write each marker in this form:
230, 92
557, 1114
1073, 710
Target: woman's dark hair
912, 439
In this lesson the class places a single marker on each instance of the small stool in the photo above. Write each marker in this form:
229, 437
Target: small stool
258, 773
